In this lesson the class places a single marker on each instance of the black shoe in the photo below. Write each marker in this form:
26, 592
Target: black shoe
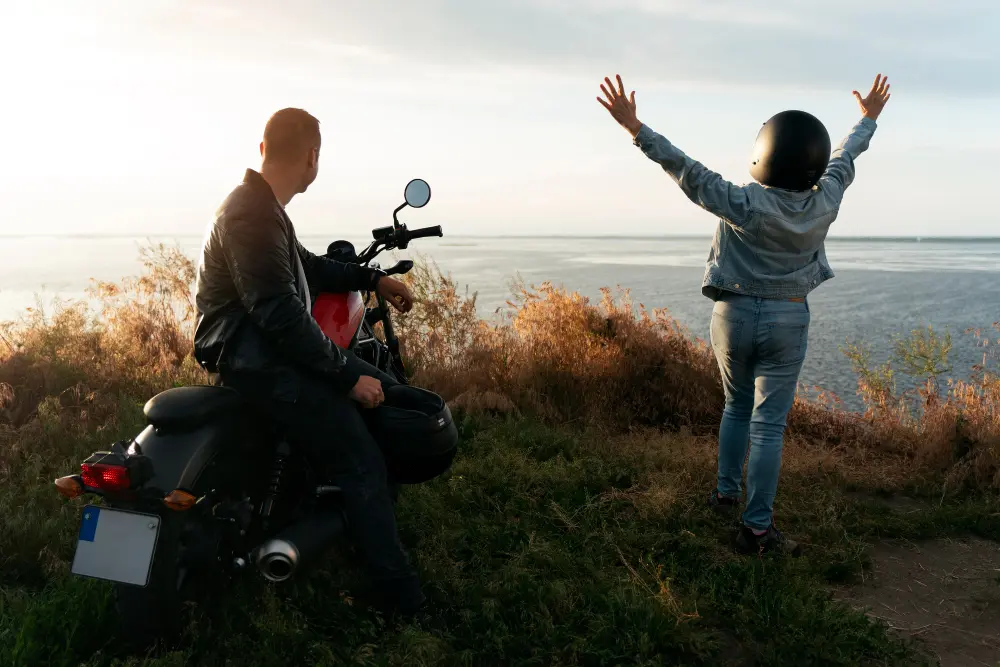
724, 506
770, 542
396, 599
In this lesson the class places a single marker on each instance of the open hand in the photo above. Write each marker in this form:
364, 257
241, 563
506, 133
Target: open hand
395, 292
872, 105
621, 108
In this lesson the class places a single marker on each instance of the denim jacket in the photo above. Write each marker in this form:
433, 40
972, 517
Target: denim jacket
769, 242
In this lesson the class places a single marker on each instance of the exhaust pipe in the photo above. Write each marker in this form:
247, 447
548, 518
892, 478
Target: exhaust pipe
299, 544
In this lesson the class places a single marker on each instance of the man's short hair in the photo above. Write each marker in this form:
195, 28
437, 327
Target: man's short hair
289, 133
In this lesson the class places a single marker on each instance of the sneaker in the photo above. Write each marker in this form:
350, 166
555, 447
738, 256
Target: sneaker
773, 541
724, 505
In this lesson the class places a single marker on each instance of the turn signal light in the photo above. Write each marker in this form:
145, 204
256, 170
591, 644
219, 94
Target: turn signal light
69, 486
179, 500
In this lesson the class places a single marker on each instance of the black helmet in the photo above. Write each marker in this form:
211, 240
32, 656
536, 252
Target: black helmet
415, 432
791, 151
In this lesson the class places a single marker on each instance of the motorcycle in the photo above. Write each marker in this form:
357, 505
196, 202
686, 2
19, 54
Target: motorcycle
208, 489
344, 317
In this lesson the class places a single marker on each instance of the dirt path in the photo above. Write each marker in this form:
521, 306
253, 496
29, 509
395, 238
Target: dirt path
945, 594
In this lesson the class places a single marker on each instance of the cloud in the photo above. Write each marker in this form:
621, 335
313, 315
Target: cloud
217, 12
927, 47
719, 11
345, 51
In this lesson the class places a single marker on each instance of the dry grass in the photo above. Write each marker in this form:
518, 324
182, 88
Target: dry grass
554, 355
558, 356
612, 366
74, 367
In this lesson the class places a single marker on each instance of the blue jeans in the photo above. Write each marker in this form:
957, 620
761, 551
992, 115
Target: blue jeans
760, 345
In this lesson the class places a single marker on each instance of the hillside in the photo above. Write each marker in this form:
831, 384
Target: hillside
571, 529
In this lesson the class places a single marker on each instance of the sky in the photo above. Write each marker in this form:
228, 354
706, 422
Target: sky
137, 117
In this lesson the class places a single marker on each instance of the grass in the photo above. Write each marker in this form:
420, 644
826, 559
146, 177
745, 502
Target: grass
572, 528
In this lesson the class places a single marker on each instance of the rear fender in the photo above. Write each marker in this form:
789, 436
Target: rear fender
196, 459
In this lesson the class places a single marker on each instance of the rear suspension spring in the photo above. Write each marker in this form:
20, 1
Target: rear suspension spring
281, 453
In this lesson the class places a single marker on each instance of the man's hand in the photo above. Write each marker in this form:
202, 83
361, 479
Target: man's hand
872, 105
368, 392
395, 292
621, 108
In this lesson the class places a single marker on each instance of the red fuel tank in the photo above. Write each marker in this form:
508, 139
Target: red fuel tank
339, 316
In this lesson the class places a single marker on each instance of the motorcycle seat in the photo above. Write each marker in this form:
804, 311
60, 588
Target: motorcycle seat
185, 408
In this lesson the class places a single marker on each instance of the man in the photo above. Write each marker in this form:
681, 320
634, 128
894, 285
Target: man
255, 330
767, 257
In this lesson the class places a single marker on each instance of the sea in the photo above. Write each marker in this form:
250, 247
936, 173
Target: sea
883, 287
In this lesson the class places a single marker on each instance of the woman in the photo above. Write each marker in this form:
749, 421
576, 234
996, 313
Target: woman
767, 256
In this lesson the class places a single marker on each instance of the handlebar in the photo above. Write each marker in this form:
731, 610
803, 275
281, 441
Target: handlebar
424, 232
395, 237
402, 235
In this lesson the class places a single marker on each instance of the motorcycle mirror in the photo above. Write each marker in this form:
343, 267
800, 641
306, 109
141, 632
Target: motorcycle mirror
402, 266
417, 193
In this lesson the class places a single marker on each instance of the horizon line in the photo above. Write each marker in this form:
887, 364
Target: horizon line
870, 237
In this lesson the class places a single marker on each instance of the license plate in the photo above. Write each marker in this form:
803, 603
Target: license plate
116, 545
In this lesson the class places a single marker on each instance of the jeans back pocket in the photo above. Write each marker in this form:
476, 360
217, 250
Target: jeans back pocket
784, 342
726, 333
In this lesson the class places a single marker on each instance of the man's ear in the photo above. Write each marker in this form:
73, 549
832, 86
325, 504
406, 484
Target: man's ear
313, 157
262, 149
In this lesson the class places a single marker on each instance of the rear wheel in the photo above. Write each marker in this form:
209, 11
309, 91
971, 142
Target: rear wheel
146, 614
186, 557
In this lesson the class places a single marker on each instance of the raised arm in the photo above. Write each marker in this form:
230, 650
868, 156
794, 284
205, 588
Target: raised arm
703, 186
840, 171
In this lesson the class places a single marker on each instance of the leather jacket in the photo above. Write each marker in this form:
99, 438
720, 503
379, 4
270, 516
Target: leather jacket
253, 292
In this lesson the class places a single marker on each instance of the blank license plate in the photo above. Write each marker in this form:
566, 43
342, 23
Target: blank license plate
116, 545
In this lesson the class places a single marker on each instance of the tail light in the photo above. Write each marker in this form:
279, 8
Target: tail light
105, 476
114, 471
